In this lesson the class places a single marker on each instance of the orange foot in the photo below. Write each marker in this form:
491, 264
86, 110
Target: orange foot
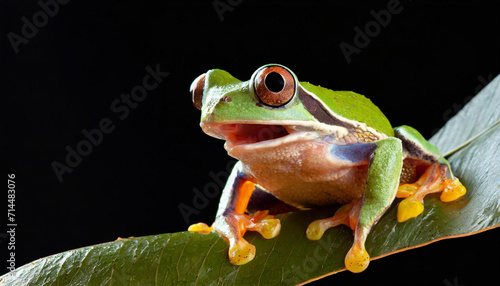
232, 224
433, 180
234, 227
357, 259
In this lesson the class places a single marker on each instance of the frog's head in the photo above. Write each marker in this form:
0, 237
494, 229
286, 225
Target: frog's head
255, 113
269, 109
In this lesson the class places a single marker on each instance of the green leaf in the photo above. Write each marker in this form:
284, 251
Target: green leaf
478, 115
192, 258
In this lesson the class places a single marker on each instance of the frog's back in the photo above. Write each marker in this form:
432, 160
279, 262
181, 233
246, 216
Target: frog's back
352, 106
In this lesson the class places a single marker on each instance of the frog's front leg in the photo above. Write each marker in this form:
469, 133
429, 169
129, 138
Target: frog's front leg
232, 222
385, 161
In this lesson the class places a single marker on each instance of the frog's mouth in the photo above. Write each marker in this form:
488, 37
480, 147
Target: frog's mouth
243, 134
249, 136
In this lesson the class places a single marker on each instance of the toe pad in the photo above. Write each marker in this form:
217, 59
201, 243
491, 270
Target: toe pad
357, 259
453, 190
241, 253
200, 227
409, 208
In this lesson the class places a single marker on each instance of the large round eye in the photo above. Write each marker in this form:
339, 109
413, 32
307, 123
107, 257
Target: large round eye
274, 85
196, 90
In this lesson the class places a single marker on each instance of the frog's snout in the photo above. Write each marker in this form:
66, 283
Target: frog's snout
196, 90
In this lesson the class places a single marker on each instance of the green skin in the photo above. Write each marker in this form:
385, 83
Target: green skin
227, 100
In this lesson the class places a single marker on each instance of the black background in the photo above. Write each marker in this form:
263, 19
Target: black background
419, 69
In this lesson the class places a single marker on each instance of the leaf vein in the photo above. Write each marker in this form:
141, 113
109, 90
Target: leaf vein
265, 263
159, 262
203, 263
180, 256
79, 266
290, 254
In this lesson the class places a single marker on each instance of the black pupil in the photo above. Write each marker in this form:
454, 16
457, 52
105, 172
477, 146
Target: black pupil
274, 82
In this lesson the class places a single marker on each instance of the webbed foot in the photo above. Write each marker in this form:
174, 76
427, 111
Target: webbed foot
357, 259
433, 180
232, 224
233, 227
346, 215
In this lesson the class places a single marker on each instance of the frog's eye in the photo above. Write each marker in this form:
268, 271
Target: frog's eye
274, 85
196, 90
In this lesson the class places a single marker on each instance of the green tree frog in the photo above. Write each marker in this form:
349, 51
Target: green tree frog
309, 146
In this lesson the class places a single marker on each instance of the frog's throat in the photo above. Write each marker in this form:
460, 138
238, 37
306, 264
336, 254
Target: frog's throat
246, 136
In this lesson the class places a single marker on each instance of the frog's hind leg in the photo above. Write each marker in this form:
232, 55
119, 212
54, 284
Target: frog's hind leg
434, 171
436, 178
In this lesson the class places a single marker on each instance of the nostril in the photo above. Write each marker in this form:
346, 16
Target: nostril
196, 90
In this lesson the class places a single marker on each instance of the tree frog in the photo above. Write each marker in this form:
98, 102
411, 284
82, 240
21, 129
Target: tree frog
310, 146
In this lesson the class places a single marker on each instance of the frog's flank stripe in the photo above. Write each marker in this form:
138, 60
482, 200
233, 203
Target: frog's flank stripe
318, 110
416, 144
417, 151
